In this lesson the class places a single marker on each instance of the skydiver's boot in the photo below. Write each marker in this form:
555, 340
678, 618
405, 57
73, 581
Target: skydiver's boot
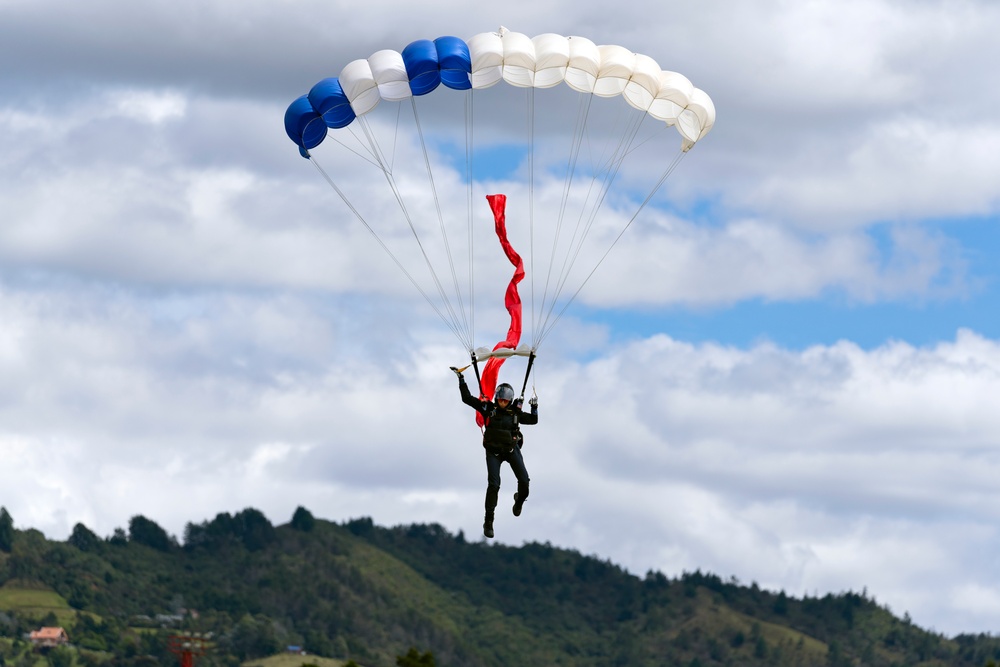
492, 495
520, 497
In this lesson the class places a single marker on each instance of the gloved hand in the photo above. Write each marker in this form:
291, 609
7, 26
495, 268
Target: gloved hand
533, 403
461, 378
518, 402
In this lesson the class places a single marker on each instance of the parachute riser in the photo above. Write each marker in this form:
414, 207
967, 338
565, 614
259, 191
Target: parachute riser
479, 379
527, 374
475, 365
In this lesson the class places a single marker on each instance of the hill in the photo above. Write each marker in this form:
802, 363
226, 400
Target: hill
357, 591
294, 660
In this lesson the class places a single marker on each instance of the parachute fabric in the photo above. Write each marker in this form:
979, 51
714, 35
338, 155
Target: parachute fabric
394, 80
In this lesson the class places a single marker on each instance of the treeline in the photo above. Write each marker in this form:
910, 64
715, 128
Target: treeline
363, 592
552, 588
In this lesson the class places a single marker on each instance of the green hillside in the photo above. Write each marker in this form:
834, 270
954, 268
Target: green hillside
357, 591
289, 660
31, 599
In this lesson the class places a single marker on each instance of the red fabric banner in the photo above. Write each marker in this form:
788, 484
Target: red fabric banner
512, 301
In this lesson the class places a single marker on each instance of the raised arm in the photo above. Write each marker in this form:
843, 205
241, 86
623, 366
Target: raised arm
472, 401
530, 417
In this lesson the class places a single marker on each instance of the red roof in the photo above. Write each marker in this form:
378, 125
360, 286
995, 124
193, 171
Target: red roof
49, 633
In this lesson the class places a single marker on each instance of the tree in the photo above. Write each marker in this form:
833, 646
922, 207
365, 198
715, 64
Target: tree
60, 656
781, 604
760, 648
835, 656
249, 527
211, 534
414, 659
254, 529
254, 637
303, 520
6, 530
144, 531
118, 538
83, 538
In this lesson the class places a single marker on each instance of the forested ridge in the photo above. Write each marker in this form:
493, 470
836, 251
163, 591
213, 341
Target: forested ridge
358, 591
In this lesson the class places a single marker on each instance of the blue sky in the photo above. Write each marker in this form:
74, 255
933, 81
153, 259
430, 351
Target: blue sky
829, 317
786, 371
920, 320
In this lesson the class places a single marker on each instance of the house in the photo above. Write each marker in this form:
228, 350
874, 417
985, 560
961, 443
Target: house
49, 637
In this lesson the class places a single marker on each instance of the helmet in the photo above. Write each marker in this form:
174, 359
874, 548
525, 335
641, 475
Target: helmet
504, 392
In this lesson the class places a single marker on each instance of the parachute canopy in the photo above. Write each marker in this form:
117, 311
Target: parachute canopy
489, 58
369, 116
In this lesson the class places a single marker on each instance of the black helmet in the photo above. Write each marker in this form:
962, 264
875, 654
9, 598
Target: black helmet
504, 392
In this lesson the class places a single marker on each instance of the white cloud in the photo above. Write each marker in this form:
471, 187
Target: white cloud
157, 215
150, 106
804, 470
902, 168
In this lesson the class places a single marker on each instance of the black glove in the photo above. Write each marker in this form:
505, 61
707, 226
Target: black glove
461, 378
533, 403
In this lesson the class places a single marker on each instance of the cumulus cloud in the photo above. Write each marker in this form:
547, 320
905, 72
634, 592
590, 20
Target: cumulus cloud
804, 470
184, 221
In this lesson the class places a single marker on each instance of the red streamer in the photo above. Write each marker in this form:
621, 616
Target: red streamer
512, 301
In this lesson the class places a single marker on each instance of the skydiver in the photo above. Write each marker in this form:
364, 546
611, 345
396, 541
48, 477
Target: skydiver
502, 441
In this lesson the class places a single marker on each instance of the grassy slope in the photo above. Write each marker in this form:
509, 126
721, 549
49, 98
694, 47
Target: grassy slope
451, 614
35, 600
710, 616
290, 660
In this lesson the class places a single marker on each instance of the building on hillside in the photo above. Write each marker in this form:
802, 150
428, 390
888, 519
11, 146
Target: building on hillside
169, 619
48, 637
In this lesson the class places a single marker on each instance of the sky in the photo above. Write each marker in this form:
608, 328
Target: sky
786, 371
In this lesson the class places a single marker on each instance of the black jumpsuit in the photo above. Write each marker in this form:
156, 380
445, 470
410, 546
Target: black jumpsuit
502, 440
